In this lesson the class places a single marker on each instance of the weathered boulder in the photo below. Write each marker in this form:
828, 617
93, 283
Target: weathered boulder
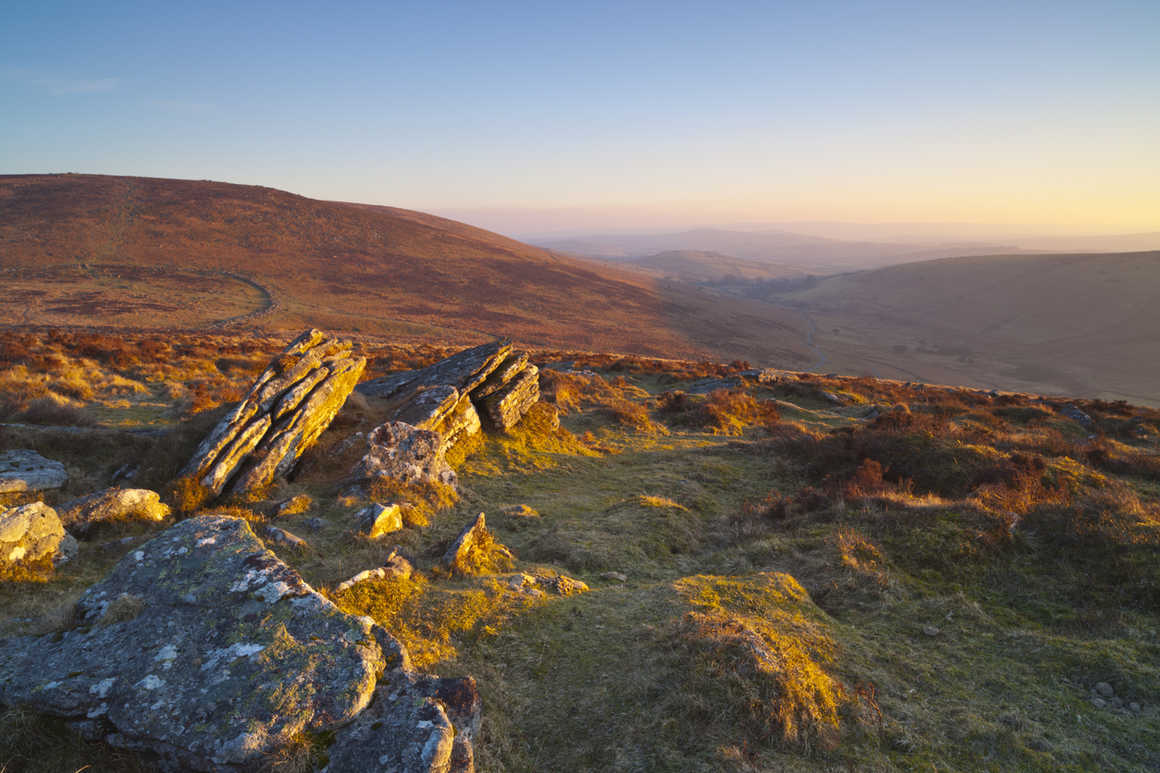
451, 396
112, 505
33, 534
416, 724
476, 550
401, 451
286, 409
22, 469
508, 403
377, 520
203, 647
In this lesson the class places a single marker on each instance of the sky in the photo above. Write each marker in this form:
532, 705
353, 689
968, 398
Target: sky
539, 117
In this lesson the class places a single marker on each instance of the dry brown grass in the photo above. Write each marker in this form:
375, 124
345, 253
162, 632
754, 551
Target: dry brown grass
722, 412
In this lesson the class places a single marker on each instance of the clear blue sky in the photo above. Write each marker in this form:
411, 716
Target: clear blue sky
1007, 112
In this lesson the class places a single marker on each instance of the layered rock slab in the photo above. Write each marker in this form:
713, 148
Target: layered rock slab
290, 404
453, 398
203, 647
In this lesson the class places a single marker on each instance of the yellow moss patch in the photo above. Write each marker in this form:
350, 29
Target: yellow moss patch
760, 639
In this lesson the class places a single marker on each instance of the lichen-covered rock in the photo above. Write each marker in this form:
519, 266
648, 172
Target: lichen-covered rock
286, 409
416, 724
405, 453
33, 534
377, 520
507, 405
205, 648
22, 469
111, 505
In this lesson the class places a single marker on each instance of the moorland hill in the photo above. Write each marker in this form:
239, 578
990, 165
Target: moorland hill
136, 252
1076, 323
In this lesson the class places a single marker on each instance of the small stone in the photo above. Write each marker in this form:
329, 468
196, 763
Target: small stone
615, 576
293, 506
1104, 689
315, 524
285, 538
475, 546
520, 511
1099, 703
1134, 707
1116, 702
376, 520
931, 630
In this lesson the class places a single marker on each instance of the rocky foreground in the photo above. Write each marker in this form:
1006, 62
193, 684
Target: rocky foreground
642, 565
201, 646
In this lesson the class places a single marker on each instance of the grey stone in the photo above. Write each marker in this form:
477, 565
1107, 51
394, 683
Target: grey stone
1075, 414
33, 534
1104, 689
290, 404
295, 505
1099, 703
284, 538
520, 511
402, 452
111, 505
394, 566
416, 724
377, 520
205, 648
22, 469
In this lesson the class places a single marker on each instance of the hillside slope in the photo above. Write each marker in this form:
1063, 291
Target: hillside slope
1081, 323
149, 253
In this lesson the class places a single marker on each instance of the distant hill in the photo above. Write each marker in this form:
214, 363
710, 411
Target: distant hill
1076, 323
700, 266
158, 253
812, 254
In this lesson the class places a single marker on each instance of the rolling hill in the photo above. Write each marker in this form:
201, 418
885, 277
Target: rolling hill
157, 253
1076, 323
812, 254
700, 266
